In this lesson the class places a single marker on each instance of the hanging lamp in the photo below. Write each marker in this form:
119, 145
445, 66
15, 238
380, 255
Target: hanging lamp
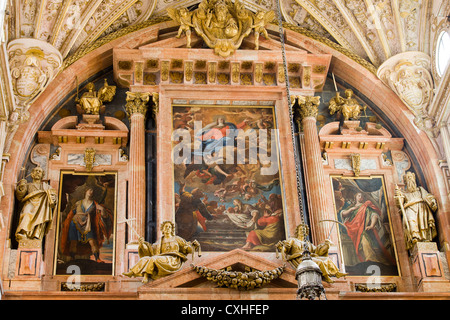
308, 274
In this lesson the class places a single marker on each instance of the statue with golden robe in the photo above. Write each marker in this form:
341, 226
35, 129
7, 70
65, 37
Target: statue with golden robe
293, 251
38, 201
417, 207
91, 102
348, 106
164, 257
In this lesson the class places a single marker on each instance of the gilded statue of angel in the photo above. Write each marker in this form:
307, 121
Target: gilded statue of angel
260, 20
335, 103
91, 102
348, 106
293, 251
184, 18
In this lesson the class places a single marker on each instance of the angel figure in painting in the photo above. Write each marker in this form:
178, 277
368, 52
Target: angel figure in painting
293, 249
164, 257
91, 102
184, 18
260, 20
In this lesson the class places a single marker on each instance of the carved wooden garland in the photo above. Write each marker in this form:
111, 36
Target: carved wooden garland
237, 279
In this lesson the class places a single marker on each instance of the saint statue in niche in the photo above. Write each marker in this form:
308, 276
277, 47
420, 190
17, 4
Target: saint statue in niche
417, 207
38, 201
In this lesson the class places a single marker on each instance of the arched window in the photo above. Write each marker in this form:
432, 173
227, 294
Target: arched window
442, 52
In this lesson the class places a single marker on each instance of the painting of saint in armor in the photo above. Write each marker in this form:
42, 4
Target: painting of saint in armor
227, 186
365, 233
86, 220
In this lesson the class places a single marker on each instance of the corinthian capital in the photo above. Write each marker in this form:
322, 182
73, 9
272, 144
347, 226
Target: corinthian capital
307, 107
137, 102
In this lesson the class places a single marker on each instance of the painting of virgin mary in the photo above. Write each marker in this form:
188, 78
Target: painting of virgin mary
222, 192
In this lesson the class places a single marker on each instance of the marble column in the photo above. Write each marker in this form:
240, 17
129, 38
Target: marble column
136, 108
307, 111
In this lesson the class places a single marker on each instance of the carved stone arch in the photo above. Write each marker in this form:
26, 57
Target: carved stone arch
344, 66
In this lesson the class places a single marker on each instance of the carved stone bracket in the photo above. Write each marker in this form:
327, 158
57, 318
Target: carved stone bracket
356, 163
89, 158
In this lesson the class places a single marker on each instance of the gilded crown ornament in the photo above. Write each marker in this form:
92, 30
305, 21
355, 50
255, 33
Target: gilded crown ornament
223, 25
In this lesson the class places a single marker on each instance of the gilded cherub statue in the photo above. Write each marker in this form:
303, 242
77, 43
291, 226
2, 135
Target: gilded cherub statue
348, 106
417, 207
222, 24
260, 20
184, 18
293, 250
91, 102
164, 257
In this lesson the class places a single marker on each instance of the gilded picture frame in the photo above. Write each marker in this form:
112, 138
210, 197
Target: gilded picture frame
228, 190
365, 230
86, 223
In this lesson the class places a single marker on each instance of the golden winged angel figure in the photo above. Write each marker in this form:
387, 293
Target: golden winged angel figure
260, 20
184, 18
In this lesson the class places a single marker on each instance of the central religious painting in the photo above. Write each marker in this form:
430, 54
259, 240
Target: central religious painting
227, 179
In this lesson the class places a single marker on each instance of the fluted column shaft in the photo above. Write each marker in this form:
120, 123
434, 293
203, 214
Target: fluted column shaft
314, 168
136, 108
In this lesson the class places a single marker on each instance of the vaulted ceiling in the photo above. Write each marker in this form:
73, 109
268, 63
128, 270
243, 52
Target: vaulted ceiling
373, 29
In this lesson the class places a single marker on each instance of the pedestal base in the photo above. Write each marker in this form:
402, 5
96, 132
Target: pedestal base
90, 122
29, 258
428, 268
352, 128
27, 274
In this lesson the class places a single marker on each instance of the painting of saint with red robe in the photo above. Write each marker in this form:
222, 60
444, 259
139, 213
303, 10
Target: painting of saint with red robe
227, 190
365, 233
86, 224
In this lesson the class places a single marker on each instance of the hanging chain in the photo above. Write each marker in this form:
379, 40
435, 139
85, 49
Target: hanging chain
291, 115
